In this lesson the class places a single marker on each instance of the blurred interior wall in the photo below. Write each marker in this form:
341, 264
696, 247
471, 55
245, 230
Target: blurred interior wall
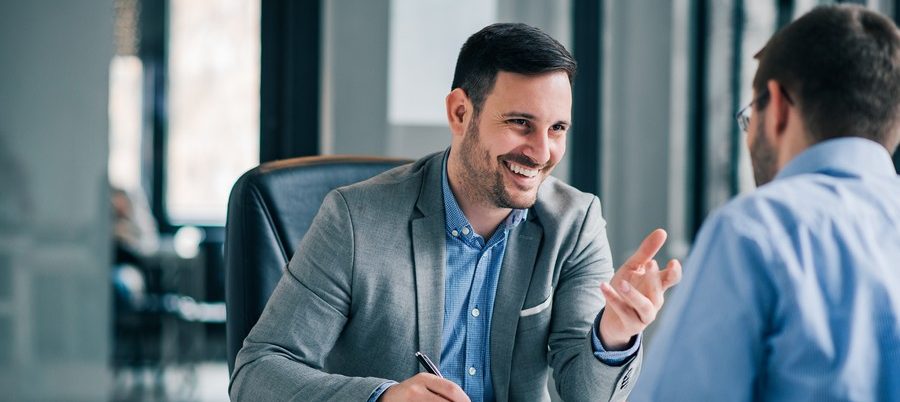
54, 204
645, 131
388, 64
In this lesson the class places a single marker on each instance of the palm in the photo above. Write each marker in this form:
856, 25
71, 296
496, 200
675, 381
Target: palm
636, 292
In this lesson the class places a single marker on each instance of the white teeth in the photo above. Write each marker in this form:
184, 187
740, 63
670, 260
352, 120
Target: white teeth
522, 170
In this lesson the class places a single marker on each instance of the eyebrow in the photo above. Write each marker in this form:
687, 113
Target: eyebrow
511, 115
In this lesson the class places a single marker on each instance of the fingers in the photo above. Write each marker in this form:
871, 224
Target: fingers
648, 249
615, 303
424, 387
445, 388
634, 309
671, 275
646, 311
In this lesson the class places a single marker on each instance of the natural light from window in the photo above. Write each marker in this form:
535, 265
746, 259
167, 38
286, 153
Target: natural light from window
213, 109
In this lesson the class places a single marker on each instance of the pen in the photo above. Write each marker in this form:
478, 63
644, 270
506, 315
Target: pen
428, 364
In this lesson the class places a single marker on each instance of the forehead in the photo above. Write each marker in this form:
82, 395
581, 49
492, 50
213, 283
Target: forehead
547, 95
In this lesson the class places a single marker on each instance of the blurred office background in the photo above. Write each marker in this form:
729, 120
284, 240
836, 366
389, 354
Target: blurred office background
124, 123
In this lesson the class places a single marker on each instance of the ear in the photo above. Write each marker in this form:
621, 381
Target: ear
777, 113
459, 111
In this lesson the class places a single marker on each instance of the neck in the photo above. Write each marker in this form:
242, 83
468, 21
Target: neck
484, 220
795, 142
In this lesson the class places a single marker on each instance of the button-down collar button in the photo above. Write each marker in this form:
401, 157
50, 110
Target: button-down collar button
455, 233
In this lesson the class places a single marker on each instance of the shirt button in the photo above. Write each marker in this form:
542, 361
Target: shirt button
476, 312
472, 371
455, 233
465, 231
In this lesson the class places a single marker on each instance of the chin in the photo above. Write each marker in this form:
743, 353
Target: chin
521, 201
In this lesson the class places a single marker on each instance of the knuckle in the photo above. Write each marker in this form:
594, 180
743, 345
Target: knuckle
450, 388
648, 317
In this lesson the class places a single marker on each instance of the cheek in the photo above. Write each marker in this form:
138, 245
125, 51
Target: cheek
558, 149
505, 143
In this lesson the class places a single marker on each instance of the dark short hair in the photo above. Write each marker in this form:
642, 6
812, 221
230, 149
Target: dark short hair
841, 66
515, 48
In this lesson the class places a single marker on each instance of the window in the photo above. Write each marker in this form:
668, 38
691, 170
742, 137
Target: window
213, 109
125, 80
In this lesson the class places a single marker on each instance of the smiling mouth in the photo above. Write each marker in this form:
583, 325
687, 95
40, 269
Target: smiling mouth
521, 170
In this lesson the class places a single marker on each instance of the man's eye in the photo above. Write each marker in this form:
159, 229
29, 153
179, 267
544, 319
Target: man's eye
558, 127
518, 122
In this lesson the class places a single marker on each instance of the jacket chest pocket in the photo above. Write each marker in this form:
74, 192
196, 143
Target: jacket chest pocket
537, 315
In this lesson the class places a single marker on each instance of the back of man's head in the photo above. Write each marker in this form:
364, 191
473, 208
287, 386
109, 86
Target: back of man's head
514, 48
841, 66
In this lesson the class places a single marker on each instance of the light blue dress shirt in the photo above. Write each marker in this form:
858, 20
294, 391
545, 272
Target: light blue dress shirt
792, 292
470, 287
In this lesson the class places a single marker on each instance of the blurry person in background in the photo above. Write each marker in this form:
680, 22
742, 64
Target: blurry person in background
792, 292
135, 242
134, 228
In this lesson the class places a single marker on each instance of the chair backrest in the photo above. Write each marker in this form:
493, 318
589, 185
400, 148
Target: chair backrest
269, 211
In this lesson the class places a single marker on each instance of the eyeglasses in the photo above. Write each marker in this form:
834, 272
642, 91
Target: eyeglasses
743, 115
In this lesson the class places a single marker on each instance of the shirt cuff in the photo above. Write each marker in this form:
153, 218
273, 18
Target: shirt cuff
380, 390
616, 357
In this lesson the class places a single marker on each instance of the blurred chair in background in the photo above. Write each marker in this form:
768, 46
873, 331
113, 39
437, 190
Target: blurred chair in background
159, 322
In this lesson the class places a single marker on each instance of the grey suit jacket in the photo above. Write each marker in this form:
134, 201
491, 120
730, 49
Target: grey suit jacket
365, 291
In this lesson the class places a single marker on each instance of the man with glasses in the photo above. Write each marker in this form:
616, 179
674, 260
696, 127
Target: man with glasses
792, 292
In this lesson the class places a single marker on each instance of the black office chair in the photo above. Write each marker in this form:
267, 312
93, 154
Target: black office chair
269, 211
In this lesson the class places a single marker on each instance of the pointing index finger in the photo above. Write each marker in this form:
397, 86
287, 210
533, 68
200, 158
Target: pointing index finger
648, 249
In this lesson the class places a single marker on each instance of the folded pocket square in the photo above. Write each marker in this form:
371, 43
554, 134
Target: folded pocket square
537, 309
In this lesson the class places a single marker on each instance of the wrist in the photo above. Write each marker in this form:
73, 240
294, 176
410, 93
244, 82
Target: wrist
611, 337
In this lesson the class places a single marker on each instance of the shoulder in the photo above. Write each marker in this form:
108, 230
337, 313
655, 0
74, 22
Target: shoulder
779, 208
560, 202
386, 190
761, 226
758, 216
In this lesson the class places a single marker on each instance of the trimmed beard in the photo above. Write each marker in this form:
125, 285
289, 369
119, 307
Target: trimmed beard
480, 180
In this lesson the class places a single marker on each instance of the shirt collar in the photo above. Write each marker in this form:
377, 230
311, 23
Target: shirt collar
456, 219
844, 156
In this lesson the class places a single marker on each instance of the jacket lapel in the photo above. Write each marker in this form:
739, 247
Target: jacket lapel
515, 277
429, 249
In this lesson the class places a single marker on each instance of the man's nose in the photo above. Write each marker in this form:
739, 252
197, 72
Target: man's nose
539, 147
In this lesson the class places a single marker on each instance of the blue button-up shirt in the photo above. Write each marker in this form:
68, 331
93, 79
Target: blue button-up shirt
792, 292
472, 271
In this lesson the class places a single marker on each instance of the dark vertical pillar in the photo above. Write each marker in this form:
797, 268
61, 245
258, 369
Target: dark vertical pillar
586, 141
785, 12
153, 51
289, 82
737, 41
697, 134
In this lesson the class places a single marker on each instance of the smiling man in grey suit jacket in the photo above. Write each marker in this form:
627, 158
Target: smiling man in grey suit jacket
474, 256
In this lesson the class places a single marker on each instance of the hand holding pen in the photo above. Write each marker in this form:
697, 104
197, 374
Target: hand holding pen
430, 386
